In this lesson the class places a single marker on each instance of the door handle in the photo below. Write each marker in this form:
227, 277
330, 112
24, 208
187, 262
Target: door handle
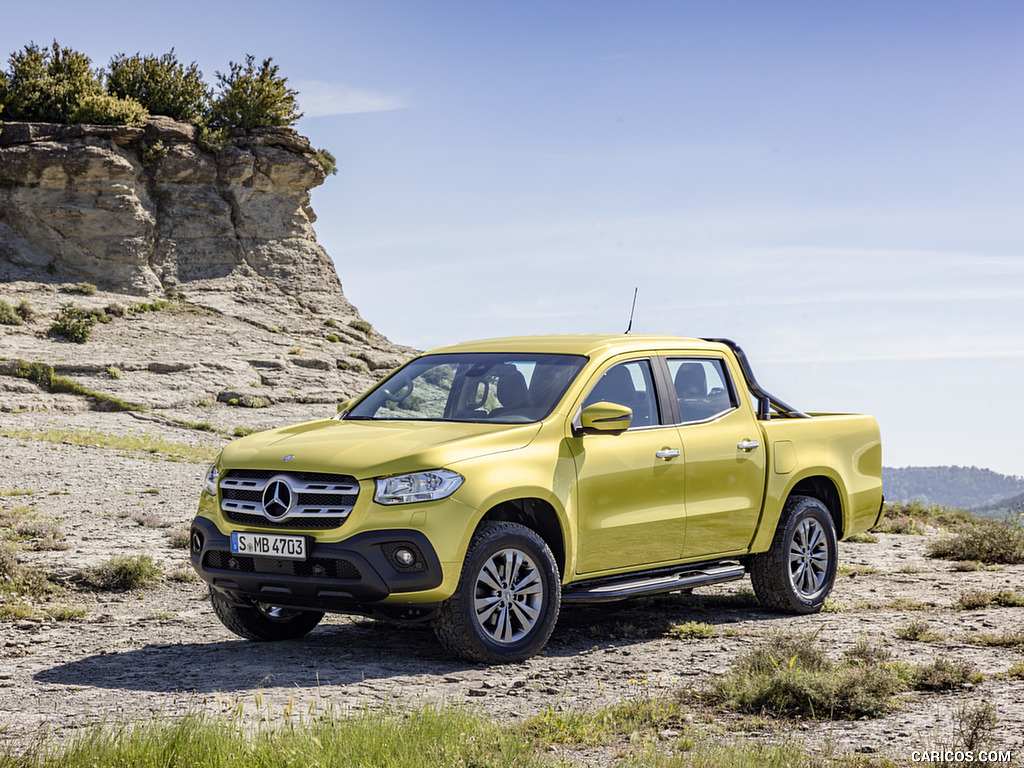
748, 445
667, 453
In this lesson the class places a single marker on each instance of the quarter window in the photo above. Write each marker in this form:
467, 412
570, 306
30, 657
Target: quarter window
703, 388
629, 384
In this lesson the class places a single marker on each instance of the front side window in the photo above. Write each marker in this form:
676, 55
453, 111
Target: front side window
702, 387
501, 388
629, 384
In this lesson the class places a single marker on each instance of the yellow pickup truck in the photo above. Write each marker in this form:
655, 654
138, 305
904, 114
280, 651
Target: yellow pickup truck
482, 485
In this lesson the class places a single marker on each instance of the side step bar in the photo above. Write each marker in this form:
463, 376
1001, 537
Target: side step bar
633, 585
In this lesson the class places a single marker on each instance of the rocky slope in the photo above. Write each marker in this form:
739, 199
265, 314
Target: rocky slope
256, 311
160, 649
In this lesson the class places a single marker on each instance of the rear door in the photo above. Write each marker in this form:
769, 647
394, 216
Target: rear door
630, 485
723, 455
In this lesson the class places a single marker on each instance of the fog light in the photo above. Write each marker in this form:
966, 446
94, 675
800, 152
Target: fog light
404, 557
197, 542
319, 570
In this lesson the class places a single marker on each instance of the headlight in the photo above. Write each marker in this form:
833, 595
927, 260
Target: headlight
418, 486
210, 483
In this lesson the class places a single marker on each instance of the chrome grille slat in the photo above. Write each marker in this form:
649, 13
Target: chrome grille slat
316, 495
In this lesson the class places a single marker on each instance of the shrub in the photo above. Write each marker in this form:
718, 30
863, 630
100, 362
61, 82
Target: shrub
333, 338
178, 538
104, 109
975, 725
48, 84
253, 97
73, 324
114, 372
974, 599
914, 516
327, 161
212, 139
945, 675
1007, 598
362, 326
65, 612
865, 651
25, 311
1008, 638
919, 631
19, 579
8, 315
86, 289
986, 541
122, 573
162, 85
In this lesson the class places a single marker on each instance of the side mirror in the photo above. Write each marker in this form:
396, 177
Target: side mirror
606, 417
343, 407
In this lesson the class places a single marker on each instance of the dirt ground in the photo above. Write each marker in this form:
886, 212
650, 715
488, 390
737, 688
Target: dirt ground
161, 650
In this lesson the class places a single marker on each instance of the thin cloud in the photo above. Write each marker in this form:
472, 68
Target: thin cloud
320, 99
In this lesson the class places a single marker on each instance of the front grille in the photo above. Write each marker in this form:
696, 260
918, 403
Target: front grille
318, 500
307, 523
319, 567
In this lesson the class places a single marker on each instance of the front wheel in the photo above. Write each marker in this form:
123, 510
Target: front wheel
262, 621
797, 573
508, 597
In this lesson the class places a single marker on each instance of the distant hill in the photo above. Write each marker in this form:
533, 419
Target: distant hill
962, 487
1000, 508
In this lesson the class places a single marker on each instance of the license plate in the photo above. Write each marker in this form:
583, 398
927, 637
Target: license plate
268, 545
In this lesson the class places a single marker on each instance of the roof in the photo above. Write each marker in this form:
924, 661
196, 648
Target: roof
580, 344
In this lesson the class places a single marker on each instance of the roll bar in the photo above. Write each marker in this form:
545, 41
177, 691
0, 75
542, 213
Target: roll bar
766, 402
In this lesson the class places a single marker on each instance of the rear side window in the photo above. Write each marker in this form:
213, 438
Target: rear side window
629, 384
703, 388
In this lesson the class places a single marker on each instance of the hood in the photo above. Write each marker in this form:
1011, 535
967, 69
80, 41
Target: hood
366, 449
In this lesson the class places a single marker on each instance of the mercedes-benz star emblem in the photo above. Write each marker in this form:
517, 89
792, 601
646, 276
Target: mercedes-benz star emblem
278, 498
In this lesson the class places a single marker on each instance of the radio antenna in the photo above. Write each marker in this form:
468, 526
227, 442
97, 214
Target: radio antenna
632, 310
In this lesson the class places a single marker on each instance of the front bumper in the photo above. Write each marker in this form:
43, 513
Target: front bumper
350, 576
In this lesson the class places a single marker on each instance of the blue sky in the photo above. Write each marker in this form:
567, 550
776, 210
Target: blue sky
838, 186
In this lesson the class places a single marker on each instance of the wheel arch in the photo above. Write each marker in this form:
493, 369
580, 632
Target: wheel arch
536, 514
825, 490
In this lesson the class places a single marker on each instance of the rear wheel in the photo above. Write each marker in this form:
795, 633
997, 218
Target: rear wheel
798, 572
508, 597
262, 621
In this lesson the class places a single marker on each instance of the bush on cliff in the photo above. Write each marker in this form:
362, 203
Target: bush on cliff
253, 97
54, 84
58, 85
161, 84
104, 109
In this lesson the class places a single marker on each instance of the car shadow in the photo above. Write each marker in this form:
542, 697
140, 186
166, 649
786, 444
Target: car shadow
367, 651
330, 655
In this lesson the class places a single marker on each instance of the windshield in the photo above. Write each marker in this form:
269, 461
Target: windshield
500, 388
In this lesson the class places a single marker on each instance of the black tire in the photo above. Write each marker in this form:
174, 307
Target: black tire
262, 621
496, 616
798, 572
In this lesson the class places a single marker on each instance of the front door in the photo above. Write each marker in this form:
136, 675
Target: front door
629, 489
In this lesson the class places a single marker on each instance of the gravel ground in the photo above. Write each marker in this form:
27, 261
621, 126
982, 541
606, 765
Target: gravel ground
161, 650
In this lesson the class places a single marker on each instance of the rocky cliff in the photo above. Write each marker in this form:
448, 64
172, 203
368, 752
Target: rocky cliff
227, 235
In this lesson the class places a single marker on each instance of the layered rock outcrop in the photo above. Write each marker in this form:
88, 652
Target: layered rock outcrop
150, 213
148, 210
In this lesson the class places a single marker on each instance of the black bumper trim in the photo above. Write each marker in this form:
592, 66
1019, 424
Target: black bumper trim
363, 557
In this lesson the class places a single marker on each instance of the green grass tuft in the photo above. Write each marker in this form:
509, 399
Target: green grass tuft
123, 573
691, 630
